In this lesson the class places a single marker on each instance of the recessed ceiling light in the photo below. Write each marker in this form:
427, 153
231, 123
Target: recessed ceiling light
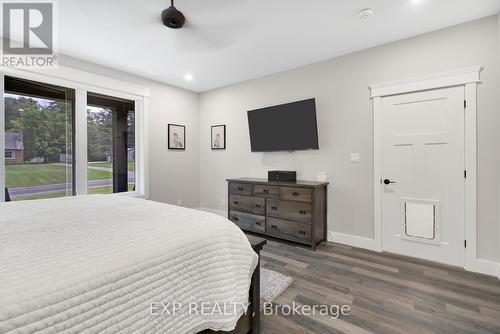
416, 2
188, 77
364, 13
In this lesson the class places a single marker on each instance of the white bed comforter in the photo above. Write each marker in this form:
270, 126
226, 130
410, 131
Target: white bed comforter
94, 264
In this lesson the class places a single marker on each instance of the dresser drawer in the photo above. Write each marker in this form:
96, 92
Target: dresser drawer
258, 206
266, 191
295, 231
240, 188
249, 204
296, 194
248, 222
289, 210
242, 203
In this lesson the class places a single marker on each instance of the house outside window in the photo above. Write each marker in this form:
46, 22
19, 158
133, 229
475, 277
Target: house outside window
14, 148
10, 155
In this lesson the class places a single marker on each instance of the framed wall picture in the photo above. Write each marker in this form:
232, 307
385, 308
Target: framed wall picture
218, 137
176, 137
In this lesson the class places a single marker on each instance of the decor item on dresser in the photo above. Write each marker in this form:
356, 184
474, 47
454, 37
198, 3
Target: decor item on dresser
218, 137
282, 175
294, 211
176, 137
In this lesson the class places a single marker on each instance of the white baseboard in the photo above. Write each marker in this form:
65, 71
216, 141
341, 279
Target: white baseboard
351, 240
482, 266
341, 238
217, 212
488, 267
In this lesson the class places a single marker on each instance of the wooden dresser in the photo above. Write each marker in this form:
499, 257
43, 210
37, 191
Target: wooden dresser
295, 211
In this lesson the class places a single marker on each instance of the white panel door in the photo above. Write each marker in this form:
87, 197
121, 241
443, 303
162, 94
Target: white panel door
423, 175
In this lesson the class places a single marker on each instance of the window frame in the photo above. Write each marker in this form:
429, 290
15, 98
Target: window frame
12, 155
43, 90
83, 82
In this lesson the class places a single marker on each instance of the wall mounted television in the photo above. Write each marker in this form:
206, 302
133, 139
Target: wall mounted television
285, 127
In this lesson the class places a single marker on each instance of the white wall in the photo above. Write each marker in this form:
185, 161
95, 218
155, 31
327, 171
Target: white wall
340, 86
173, 174
498, 152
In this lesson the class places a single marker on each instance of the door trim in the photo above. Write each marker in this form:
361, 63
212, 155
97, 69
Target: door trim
467, 77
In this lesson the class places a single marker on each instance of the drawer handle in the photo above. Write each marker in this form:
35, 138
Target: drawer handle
302, 232
295, 194
265, 191
258, 223
240, 188
302, 212
236, 202
236, 219
274, 208
274, 227
257, 206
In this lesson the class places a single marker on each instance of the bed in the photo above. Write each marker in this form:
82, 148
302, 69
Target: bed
113, 264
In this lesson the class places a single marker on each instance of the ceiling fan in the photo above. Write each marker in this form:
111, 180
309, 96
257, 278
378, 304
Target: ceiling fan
172, 17
212, 25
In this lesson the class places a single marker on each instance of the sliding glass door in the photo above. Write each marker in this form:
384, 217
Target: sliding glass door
39, 140
61, 141
110, 144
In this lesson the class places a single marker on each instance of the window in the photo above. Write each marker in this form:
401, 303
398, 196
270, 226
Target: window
10, 155
110, 144
54, 150
38, 139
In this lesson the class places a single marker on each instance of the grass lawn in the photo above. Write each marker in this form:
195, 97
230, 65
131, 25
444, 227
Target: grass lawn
131, 165
90, 191
42, 174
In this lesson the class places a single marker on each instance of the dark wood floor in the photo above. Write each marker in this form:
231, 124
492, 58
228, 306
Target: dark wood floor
387, 293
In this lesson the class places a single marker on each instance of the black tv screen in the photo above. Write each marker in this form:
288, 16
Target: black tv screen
286, 127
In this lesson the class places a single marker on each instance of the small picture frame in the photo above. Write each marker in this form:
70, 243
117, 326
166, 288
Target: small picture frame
218, 137
176, 137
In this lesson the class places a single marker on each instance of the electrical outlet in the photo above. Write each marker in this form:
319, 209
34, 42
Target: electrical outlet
354, 158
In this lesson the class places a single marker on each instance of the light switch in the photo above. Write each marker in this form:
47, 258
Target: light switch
354, 158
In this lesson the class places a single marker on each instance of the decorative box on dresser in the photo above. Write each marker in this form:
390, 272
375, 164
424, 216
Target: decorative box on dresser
294, 211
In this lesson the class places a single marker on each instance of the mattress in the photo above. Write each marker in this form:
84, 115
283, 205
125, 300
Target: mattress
117, 264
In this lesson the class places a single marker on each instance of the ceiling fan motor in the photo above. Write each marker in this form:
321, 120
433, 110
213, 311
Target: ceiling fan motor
172, 17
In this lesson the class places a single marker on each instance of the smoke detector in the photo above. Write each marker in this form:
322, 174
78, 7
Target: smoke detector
364, 13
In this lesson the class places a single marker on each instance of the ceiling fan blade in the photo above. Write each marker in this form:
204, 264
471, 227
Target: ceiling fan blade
213, 25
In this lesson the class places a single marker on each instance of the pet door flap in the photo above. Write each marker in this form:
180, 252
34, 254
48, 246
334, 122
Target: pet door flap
420, 220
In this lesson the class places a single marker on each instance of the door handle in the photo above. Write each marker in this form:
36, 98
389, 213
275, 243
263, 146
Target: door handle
387, 181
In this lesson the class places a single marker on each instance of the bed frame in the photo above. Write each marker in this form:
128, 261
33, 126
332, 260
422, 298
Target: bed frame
250, 323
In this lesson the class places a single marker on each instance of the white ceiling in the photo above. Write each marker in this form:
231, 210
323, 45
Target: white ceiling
229, 41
